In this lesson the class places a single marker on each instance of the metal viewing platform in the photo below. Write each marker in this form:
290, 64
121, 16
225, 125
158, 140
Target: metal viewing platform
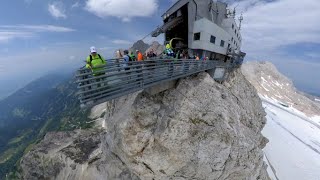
118, 78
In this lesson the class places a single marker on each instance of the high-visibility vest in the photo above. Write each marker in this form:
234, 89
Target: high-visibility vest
95, 63
133, 57
140, 56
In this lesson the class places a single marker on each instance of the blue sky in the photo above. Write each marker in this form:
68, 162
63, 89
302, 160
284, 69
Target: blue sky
39, 36
287, 33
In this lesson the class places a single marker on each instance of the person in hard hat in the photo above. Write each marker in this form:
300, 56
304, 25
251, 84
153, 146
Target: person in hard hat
95, 62
139, 56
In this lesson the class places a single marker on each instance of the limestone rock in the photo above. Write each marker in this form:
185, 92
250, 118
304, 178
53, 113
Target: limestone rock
139, 45
199, 130
156, 48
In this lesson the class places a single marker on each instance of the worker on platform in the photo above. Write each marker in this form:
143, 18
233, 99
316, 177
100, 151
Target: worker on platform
132, 56
95, 62
168, 46
127, 63
118, 57
169, 51
139, 56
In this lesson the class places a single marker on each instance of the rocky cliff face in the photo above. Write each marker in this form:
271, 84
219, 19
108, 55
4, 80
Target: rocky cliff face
139, 45
199, 130
156, 48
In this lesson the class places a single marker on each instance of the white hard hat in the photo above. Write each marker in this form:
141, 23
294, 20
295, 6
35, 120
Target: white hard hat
93, 49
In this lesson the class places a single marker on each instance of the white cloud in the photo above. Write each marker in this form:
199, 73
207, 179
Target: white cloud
37, 28
75, 5
56, 10
72, 57
121, 42
106, 48
270, 25
123, 9
315, 55
27, 31
5, 36
48, 28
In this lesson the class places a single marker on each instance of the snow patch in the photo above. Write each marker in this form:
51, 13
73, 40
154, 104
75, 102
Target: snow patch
263, 79
264, 87
316, 119
296, 111
278, 96
103, 125
277, 83
293, 149
269, 168
269, 99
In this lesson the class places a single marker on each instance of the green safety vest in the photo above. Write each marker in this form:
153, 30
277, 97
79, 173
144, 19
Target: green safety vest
95, 63
133, 57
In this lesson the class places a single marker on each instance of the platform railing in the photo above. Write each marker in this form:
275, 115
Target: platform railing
118, 78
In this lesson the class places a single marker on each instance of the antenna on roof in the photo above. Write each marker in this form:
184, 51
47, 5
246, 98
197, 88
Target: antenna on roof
240, 20
233, 13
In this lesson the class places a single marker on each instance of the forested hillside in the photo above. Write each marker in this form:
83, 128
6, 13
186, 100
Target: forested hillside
47, 104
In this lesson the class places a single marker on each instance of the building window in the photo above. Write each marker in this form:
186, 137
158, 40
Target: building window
222, 43
213, 39
232, 26
196, 36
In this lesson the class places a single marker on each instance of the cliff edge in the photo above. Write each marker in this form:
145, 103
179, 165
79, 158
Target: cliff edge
199, 130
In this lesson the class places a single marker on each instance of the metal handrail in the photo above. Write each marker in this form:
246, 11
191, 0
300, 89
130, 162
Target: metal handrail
119, 78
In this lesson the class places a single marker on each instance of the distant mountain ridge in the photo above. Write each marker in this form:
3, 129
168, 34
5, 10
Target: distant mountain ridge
23, 96
155, 47
270, 83
46, 104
